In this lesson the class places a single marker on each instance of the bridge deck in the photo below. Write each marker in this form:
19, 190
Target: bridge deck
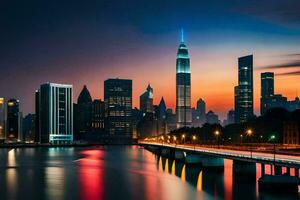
268, 158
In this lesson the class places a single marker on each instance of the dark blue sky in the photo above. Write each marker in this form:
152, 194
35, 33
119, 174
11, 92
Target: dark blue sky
85, 42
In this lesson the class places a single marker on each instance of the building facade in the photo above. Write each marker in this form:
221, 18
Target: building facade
183, 86
118, 109
55, 106
244, 90
98, 116
13, 121
2, 119
83, 113
267, 90
146, 101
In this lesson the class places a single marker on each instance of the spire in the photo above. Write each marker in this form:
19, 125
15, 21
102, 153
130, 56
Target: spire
182, 36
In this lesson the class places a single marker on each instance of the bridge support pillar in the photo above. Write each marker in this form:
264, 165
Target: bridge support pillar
296, 172
288, 171
263, 170
278, 170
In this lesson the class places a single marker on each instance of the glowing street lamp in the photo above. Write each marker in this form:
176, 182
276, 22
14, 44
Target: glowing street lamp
183, 137
217, 133
241, 136
273, 138
162, 139
249, 133
174, 140
194, 140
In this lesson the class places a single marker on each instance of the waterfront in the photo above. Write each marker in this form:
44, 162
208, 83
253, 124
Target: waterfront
115, 172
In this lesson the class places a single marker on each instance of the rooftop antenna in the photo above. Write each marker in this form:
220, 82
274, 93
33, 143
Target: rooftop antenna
182, 36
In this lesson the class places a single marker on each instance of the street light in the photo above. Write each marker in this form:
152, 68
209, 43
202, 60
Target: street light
241, 136
273, 138
249, 133
183, 137
174, 139
217, 133
194, 140
162, 140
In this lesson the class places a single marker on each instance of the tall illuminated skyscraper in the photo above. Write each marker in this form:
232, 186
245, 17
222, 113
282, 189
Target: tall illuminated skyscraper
244, 90
267, 90
183, 86
55, 117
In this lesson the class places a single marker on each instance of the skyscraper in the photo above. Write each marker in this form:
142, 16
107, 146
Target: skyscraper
267, 90
55, 113
14, 121
201, 106
146, 101
83, 113
244, 90
118, 109
98, 115
2, 119
183, 86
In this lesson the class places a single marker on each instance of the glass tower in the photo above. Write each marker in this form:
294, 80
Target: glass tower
183, 86
244, 90
267, 90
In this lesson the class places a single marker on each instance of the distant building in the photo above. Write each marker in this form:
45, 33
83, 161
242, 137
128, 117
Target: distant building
55, 107
197, 118
267, 90
2, 119
212, 118
29, 128
201, 106
171, 120
291, 134
98, 116
160, 113
146, 101
230, 117
14, 121
118, 109
83, 113
244, 90
183, 86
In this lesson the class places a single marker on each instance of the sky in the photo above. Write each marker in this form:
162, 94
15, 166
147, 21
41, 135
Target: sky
86, 42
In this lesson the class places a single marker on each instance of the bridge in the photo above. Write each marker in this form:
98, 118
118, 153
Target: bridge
241, 155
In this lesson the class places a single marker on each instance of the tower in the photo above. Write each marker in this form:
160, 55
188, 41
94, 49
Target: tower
183, 86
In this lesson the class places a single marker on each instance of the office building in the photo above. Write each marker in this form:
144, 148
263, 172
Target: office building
98, 115
83, 113
244, 90
55, 107
118, 109
183, 86
13, 121
267, 90
212, 118
146, 101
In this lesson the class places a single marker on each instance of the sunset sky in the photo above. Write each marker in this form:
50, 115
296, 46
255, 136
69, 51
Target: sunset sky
86, 42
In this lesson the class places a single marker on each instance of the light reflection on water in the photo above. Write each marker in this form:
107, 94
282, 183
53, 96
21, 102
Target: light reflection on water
115, 172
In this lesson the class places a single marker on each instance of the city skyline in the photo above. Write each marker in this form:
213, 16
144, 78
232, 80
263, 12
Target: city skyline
92, 50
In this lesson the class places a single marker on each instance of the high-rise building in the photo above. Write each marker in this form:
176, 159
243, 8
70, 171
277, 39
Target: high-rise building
83, 113
201, 106
230, 117
146, 101
2, 119
183, 86
98, 115
55, 107
14, 121
118, 108
267, 90
29, 128
244, 90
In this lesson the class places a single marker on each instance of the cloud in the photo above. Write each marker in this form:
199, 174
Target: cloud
290, 64
276, 11
294, 73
